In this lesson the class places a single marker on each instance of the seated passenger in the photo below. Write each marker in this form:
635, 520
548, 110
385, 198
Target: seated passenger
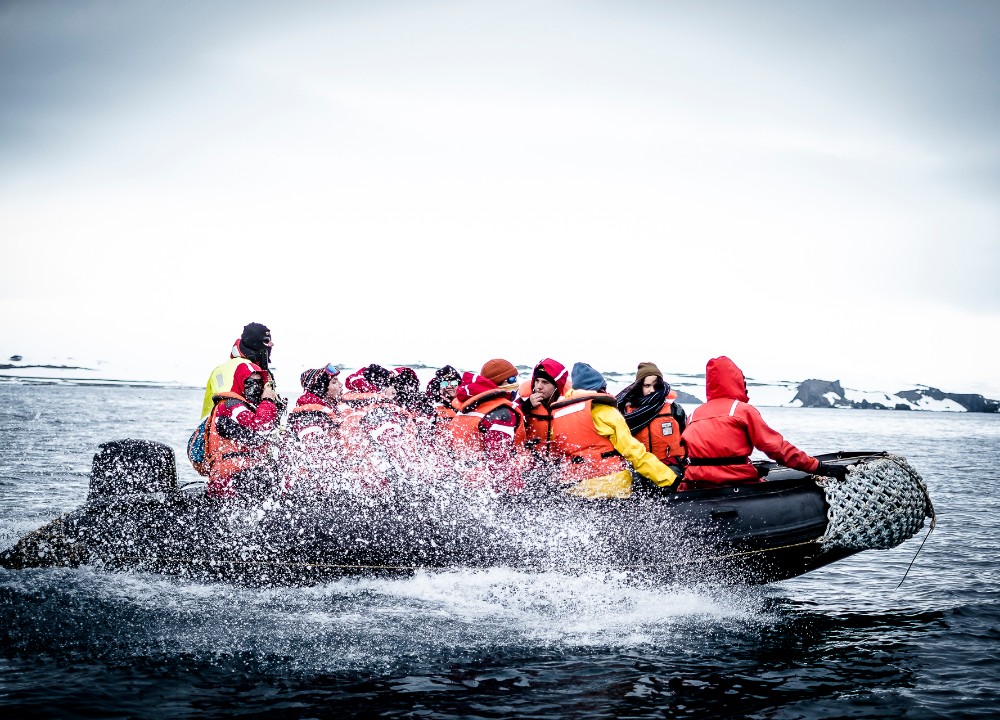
721, 434
310, 446
438, 410
548, 382
591, 438
441, 391
653, 416
408, 393
371, 383
378, 433
315, 410
239, 437
488, 429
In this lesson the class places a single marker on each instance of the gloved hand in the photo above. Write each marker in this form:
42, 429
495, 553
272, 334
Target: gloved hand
835, 471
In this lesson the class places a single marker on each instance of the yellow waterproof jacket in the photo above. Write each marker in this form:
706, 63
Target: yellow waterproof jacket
221, 380
609, 423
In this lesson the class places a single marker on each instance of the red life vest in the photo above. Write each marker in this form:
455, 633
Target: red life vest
662, 436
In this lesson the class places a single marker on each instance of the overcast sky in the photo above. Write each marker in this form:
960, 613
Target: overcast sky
812, 188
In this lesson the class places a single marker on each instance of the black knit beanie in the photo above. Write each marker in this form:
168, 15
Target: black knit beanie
252, 343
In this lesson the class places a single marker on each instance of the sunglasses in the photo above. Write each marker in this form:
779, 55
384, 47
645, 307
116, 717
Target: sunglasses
332, 369
511, 380
449, 383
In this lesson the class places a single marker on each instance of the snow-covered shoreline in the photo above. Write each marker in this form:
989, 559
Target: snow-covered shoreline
765, 393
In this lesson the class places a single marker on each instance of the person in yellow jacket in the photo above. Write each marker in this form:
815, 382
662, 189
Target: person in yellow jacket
593, 440
253, 345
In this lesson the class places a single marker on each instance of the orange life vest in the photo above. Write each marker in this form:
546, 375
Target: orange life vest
312, 407
227, 457
464, 428
662, 436
355, 399
327, 425
537, 421
444, 413
371, 449
574, 437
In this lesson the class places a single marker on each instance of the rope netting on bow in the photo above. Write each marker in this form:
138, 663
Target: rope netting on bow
882, 502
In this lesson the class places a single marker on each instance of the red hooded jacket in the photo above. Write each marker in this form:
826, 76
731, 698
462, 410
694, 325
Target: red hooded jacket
727, 428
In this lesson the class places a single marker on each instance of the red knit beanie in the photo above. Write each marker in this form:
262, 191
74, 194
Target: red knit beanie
499, 371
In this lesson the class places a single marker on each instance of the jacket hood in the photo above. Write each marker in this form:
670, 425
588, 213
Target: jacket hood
406, 380
472, 385
379, 376
242, 372
554, 371
724, 380
356, 382
586, 377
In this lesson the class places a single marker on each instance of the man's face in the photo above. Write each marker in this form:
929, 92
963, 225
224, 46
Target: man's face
649, 385
544, 388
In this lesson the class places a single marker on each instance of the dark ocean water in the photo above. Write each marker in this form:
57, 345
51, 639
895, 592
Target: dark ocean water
839, 642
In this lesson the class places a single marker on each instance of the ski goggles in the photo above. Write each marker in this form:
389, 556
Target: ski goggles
331, 369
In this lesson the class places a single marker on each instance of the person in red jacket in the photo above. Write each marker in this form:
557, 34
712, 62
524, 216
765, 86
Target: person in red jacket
239, 437
378, 433
721, 434
315, 410
310, 446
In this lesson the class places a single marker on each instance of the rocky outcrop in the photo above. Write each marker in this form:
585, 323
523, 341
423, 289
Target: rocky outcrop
686, 398
827, 394
971, 402
821, 394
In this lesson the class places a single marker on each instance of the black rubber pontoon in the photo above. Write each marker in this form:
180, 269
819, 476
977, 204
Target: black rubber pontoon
136, 518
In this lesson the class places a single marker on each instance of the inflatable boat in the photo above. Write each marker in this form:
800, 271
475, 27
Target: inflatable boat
136, 518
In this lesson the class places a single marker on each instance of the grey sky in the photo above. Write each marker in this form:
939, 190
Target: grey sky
787, 168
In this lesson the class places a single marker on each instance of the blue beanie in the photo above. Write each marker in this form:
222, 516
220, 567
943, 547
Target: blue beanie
586, 378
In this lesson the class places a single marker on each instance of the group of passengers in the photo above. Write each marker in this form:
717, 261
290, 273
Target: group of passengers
559, 429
